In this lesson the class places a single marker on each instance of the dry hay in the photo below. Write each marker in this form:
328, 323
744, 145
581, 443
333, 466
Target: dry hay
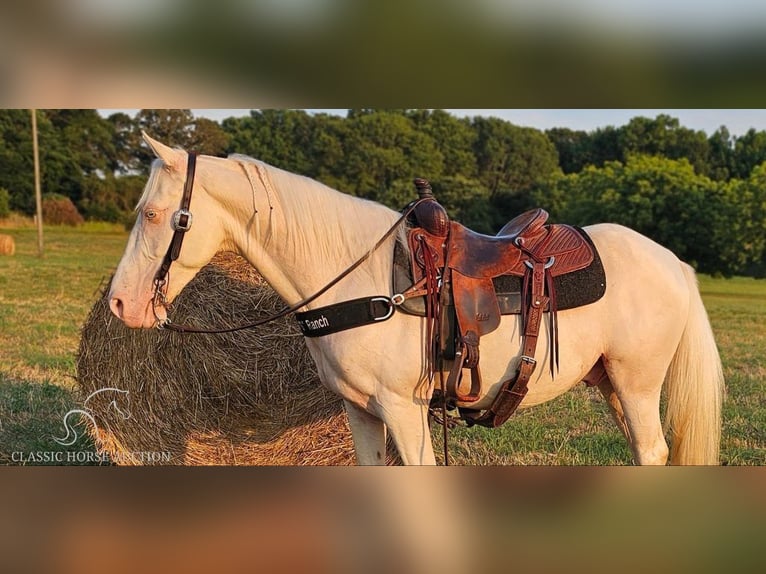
60, 210
7, 245
251, 397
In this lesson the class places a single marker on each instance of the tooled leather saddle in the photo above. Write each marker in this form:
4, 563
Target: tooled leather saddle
455, 270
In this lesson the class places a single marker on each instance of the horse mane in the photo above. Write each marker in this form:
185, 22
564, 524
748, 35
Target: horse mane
327, 221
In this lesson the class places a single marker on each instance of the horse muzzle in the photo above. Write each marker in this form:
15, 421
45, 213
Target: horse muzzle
134, 314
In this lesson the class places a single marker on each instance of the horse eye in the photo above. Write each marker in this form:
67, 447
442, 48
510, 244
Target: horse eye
151, 214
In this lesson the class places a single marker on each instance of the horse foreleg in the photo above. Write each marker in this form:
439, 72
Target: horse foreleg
408, 425
369, 434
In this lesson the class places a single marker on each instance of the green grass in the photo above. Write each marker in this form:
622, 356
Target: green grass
32, 418
44, 301
737, 310
574, 429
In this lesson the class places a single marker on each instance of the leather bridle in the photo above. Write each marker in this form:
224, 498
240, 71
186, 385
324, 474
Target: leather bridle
182, 221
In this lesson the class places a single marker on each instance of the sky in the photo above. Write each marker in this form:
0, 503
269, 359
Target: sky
737, 121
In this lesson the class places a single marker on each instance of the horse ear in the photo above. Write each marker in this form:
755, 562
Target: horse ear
173, 158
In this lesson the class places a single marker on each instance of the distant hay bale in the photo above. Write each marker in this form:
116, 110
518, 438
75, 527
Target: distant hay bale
7, 245
251, 397
59, 210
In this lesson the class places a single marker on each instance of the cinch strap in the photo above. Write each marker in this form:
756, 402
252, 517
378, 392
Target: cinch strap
346, 315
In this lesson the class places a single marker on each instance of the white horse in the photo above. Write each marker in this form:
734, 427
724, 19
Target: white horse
649, 329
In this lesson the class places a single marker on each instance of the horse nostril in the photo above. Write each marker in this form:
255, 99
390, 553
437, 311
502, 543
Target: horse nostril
116, 306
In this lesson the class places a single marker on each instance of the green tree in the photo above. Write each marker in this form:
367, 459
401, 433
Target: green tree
511, 158
454, 138
512, 161
83, 149
174, 127
208, 137
749, 152
327, 150
574, 148
665, 136
171, 127
578, 149
605, 146
467, 201
382, 147
721, 146
282, 138
89, 139
661, 198
58, 170
741, 234
112, 198
127, 143
16, 174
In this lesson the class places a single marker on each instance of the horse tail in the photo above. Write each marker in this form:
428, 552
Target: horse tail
695, 387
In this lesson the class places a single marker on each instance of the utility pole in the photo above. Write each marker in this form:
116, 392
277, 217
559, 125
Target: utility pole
38, 193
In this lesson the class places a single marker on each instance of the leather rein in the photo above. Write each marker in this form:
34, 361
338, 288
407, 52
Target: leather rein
182, 221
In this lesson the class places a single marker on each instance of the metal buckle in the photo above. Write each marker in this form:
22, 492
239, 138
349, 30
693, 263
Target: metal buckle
531, 360
177, 220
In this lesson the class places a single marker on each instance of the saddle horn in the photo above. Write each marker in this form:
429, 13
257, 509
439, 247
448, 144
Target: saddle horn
430, 215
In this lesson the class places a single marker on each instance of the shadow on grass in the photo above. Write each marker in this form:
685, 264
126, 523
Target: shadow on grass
32, 417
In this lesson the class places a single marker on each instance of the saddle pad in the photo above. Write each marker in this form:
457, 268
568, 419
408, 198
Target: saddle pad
573, 290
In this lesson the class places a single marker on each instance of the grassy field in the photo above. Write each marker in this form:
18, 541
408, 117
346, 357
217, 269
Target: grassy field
43, 302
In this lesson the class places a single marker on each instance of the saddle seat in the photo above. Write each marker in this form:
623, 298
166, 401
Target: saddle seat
526, 238
524, 225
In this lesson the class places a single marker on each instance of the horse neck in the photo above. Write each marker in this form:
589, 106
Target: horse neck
305, 234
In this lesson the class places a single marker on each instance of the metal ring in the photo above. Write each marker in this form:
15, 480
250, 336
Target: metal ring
390, 304
550, 263
397, 299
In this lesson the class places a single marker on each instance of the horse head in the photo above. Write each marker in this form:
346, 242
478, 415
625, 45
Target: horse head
138, 295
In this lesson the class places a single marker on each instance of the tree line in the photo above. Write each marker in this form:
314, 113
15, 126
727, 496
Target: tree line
702, 196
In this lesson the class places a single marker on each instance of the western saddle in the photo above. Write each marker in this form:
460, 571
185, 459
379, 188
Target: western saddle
453, 268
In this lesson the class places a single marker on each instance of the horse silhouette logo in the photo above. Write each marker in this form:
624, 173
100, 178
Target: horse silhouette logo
71, 434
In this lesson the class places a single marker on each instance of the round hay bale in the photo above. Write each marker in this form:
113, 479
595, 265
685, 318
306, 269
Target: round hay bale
251, 397
7, 245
